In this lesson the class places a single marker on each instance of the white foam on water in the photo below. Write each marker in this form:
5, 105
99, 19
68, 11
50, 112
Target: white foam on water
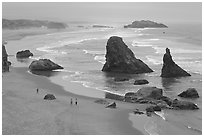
154, 39
100, 59
92, 52
154, 60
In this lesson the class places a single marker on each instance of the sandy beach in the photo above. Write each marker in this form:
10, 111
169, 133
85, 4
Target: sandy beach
26, 112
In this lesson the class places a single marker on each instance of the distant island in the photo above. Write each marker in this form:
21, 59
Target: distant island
101, 26
25, 23
145, 24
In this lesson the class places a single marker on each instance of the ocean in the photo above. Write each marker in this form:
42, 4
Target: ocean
81, 52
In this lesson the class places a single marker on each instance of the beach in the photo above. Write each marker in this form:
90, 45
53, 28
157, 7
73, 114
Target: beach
82, 54
25, 111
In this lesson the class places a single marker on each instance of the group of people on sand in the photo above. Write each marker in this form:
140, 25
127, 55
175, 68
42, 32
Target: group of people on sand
71, 102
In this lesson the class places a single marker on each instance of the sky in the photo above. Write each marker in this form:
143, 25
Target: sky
104, 12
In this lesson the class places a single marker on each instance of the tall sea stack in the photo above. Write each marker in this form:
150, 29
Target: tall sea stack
170, 68
5, 62
120, 59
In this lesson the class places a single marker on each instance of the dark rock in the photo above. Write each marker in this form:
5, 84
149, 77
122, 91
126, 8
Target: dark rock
111, 105
153, 108
43, 65
114, 96
130, 94
120, 59
145, 24
149, 109
49, 97
170, 68
120, 79
141, 82
166, 99
5, 62
177, 104
137, 111
24, 54
150, 92
189, 93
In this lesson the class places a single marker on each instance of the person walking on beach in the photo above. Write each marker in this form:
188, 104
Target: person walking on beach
37, 90
71, 101
76, 101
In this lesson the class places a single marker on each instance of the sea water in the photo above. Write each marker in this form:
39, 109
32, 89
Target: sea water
82, 54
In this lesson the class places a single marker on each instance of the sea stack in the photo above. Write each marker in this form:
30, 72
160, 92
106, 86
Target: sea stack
5, 62
170, 68
120, 59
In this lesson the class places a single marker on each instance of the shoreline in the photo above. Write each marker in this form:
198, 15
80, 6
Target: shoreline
116, 119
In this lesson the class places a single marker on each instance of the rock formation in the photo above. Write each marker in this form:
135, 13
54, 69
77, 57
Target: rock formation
43, 65
5, 62
150, 92
145, 24
25, 23
24, 54
141, 82
49, 97
185, 105
170, 68
111, 105
189, 93
120, 59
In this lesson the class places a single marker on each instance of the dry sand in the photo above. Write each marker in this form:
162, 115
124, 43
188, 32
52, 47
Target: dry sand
26, 112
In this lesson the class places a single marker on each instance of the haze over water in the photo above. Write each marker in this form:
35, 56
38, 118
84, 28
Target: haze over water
82, 51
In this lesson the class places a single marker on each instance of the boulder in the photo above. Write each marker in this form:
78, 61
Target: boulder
114, 96
153, 108
137, 111
43, 65
120, 59
5, 62
111, 105
170, 68
24, 54
141, 82
166, 99
49, 97
120, 79
150, 92
184, 105
189, 93
145, 24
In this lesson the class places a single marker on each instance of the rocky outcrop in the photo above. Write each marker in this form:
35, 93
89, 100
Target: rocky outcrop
24, 54
184, 105
170, 68
153, 108
25, 23
44, 65
141, 82
137, 111
114, 96
111, 105
120, 59
150, 92
145, 24
5, 62
189, 93
49, 97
